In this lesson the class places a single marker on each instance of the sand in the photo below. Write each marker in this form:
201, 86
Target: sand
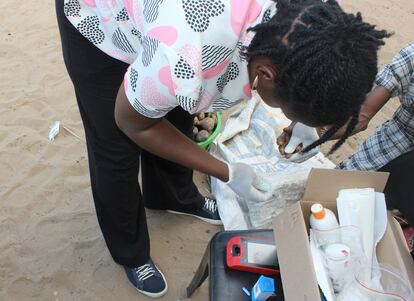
51, 246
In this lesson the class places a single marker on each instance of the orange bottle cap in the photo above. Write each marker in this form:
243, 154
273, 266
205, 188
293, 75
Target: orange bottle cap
318, 211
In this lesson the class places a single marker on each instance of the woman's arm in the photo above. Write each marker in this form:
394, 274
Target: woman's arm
374, 101
161, 138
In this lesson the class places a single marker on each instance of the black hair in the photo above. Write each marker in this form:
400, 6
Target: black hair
326, 61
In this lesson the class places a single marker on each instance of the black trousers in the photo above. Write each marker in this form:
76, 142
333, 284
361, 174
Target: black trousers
399, 191
114, 158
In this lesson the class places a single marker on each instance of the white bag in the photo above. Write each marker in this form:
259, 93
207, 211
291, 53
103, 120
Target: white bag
250, 137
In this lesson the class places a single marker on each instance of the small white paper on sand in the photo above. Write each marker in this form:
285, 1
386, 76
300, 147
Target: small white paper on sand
54, 130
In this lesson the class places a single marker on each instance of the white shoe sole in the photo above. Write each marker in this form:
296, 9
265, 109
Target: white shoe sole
156, 295
207, 220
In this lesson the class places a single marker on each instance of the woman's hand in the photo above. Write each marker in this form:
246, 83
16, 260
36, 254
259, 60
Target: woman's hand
249, 184
294, 138
284, 139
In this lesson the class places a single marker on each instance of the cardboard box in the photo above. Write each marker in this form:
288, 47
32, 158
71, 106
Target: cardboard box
291, 230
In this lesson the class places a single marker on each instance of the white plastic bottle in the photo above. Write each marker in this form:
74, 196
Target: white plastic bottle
322, 218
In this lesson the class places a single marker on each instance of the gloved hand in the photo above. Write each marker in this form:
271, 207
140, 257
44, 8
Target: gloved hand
248, 184
293, 140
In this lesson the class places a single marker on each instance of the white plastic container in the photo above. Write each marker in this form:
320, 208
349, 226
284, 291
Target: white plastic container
337, 258
322, 218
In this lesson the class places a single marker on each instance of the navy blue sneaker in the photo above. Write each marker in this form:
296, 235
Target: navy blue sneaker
208, 213
148, 279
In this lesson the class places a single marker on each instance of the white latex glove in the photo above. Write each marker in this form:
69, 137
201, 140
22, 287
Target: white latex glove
305, 135
248, 184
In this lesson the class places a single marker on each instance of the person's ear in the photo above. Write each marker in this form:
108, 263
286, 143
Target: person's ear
266, 76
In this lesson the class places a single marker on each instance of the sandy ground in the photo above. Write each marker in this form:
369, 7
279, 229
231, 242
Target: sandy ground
51, 246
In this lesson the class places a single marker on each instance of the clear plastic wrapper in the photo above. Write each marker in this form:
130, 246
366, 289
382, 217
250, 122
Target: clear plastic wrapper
386, 284
342, 252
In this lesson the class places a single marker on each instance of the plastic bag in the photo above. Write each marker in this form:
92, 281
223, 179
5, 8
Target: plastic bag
386, 284
342, 252
250, 137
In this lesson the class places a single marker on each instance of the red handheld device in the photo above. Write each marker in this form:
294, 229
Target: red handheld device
251, 254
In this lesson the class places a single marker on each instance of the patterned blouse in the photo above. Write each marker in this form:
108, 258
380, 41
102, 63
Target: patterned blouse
181, 52
395, 137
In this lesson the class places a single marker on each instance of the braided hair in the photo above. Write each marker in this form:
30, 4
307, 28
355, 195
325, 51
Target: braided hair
326, 61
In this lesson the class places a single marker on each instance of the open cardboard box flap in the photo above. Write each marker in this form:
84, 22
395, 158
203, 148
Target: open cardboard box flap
324, 184
292, 240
